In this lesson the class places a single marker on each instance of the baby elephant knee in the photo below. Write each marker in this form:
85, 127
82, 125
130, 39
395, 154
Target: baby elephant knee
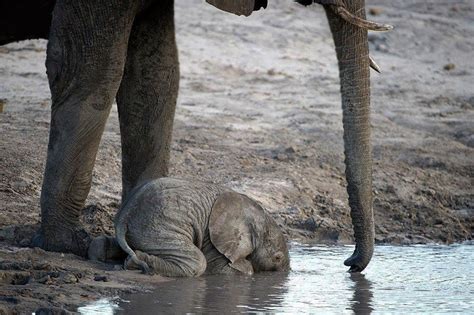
201, 266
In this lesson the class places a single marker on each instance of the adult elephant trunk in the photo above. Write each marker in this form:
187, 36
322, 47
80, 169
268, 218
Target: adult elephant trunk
353, 58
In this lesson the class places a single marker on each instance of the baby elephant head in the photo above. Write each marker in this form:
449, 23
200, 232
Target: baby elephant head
241, 230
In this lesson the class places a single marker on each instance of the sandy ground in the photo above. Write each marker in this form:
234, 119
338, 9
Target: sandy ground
259, 111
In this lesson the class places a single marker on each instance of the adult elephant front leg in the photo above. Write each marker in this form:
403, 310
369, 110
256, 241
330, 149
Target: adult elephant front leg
147, 96
85, 60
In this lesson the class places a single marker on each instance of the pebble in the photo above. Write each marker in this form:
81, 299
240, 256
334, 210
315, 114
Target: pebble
101, 278
39, 251
282, 157
45, 280
375, 11
25, 242
69, 278
449, 66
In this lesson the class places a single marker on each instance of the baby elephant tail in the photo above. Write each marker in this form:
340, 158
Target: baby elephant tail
120, 232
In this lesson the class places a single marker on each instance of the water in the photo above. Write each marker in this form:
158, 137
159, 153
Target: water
409, 279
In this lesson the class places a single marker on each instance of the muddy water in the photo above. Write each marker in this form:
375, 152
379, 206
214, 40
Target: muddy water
412, 279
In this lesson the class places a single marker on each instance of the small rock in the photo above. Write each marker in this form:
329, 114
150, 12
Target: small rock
118, 267
375, 11
449, 66
39, 251
69, 278
438, 221
24, 242
101, 278
430, 192
282, 157
45, 280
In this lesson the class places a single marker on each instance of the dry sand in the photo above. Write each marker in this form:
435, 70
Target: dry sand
259, 111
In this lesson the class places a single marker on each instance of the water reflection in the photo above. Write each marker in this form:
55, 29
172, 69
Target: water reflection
434, 279
209, 294
361, 302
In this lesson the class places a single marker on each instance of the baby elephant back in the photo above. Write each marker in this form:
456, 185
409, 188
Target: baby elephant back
167, 208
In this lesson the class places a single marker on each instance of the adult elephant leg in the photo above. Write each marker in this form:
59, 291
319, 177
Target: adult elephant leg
353, 57
147, 96
85, 59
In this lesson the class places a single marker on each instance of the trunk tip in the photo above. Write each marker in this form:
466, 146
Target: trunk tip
358, 261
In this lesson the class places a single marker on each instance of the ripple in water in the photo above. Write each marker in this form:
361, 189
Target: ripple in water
409, 279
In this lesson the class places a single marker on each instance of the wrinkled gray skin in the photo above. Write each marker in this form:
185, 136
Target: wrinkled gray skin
126, 49
178, 228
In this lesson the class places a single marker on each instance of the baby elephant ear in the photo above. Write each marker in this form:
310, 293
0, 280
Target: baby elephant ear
230, 229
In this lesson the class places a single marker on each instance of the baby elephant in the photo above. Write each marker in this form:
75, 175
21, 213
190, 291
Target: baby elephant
178, 228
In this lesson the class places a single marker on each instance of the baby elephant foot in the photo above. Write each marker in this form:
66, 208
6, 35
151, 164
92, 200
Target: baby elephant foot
138, 261
75, 241
105, 248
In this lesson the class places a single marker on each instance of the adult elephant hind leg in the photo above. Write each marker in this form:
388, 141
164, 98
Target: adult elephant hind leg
85, 59
147, 96
182, 261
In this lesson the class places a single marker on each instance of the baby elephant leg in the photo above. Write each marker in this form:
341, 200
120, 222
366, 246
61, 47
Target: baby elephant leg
217, 263
185, 261
105, 249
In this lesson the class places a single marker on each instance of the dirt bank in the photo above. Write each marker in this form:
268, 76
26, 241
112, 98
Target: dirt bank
259, 111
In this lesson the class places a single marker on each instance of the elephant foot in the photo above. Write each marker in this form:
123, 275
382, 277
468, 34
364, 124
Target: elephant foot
105, 248
75, 241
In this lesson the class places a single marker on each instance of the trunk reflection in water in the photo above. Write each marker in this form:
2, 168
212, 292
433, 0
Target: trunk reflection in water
400, 279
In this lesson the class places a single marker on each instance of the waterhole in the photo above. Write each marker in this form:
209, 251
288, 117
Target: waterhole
400, 279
